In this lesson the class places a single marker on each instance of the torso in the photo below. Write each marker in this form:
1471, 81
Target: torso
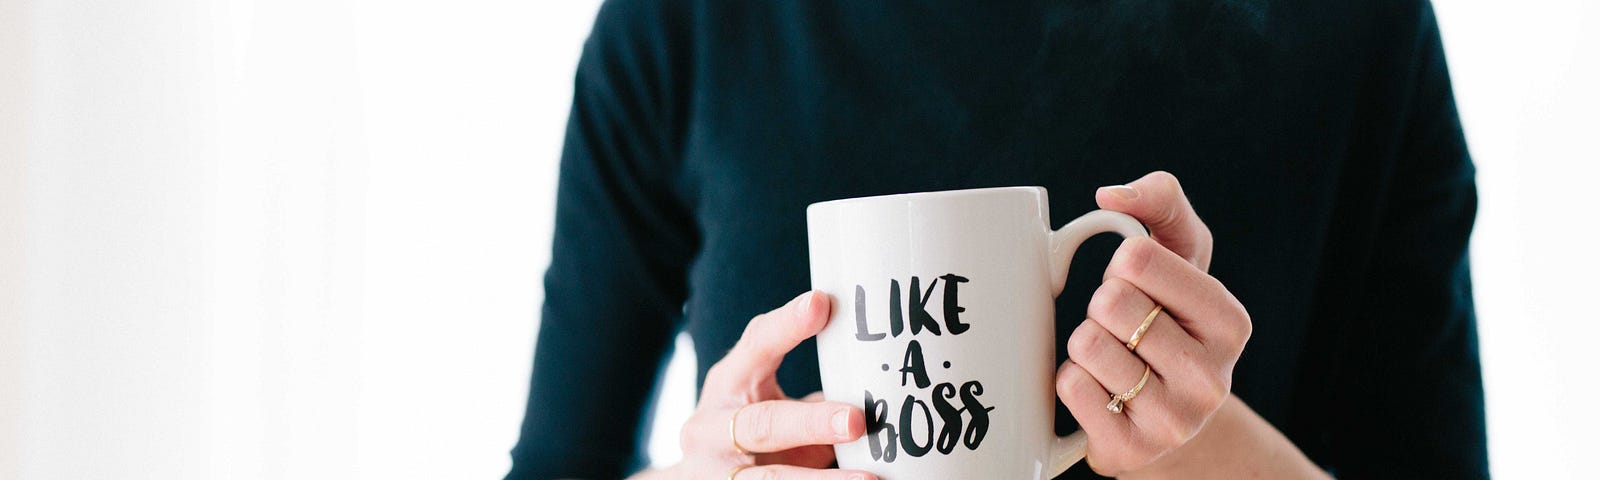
795, 104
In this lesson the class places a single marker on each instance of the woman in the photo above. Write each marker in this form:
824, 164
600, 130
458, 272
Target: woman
1318, 139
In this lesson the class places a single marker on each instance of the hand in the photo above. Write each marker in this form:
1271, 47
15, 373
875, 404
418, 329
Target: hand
788, 439
1190, 349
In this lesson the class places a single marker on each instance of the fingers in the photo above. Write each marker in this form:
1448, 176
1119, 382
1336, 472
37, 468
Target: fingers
812, 456
1198, 302
766, 339
1086, 399
740, 409
785, 472
1158, 201
775, 426
1190, 346
1149, 425
1120, 307
778, 425
1115, 368
1164, 413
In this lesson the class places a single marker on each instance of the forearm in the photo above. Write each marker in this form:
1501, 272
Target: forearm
1235, 444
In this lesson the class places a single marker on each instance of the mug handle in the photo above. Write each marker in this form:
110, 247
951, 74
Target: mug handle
1063, 243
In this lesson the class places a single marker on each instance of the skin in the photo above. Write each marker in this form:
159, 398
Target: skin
1184, 424
795, 436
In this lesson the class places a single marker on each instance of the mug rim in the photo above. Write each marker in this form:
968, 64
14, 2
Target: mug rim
1032, 189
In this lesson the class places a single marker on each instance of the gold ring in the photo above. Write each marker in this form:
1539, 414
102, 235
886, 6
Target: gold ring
736, 471
733, 434
1118, 399
1133, 341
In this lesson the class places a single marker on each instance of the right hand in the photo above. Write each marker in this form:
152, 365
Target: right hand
786, 438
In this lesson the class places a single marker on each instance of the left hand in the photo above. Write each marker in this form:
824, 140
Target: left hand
1191, 347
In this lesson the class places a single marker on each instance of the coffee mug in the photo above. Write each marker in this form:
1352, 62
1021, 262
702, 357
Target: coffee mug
943, 328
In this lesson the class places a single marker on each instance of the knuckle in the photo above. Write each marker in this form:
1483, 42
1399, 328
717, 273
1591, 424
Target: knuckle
686, 434
1235, 331
754, 324
1172, 191
760, 429
1067, 380
1235, 324
723, 376
1221, 387
1234, 307
1246, 325
1165, 179
1113, 296
717, 371
1083, 345
1203, 234
1132, 257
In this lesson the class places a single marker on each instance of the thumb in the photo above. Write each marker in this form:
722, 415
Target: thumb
1157, 200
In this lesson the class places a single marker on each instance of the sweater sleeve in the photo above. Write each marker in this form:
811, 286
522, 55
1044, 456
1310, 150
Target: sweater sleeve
1410, 386
624, 238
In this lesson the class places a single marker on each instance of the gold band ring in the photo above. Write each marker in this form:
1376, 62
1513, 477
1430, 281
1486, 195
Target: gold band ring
733, 434
1138, 334
1117, 400
736, 471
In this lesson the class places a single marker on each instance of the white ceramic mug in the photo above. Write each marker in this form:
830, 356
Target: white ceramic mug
943, 328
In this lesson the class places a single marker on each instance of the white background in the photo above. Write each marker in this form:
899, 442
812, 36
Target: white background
303, 238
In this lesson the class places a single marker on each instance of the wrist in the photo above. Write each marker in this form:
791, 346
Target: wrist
1235, 443
1194, 455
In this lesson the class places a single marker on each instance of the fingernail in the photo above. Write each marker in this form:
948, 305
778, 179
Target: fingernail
805, 303
841, 423
858, 476
1122, 191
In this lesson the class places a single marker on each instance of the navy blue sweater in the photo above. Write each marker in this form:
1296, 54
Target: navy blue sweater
1318, 139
